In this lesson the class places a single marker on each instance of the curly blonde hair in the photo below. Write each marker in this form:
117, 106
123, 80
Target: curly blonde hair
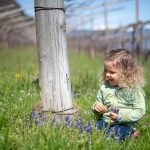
130, 73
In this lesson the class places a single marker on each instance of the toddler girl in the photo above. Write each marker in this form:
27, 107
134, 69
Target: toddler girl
120, 100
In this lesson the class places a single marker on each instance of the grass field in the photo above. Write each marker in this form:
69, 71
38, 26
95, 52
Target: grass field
19, 129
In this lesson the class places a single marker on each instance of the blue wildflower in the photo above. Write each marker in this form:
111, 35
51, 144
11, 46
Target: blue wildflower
68, 123
35, 114
80, 118
44, 117
72, 124
88, 128
37, 122
67, 118
82, 127
78, 123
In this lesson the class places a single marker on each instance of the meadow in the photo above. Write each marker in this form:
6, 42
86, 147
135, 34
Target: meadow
21, 128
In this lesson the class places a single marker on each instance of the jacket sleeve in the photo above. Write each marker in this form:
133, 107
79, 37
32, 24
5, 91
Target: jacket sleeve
137, 111
99, 98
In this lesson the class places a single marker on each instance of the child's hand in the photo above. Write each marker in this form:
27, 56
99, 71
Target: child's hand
99, 107
113, 116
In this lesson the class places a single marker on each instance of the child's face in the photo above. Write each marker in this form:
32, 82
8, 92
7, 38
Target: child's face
112, 73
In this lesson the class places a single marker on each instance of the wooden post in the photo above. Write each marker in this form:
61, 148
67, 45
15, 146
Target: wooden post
137, 29
106, 25
52, 52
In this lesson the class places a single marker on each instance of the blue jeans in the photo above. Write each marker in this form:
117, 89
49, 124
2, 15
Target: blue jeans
118, 131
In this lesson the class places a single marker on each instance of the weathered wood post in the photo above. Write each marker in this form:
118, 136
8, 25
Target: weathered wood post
137, 29
106, 25
52, 54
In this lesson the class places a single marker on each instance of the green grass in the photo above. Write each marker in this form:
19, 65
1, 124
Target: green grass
18, 96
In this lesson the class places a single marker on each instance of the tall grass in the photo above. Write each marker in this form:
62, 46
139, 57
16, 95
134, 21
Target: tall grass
19, 94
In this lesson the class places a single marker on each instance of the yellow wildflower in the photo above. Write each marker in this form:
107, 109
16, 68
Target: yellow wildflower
18, 75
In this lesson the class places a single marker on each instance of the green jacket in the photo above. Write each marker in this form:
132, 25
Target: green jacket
131, 103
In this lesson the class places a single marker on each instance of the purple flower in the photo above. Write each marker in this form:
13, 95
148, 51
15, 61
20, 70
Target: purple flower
37, 122
88, 128
72, 124
82, 127
44, 117
35, 114
80, 118
68, 123
78, 123
67, 118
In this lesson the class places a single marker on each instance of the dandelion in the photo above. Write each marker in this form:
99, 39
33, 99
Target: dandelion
18, 75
